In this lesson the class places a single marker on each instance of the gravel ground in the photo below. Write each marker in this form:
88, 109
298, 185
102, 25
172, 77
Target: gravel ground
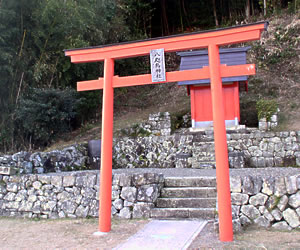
251, 238
63, 234
188, 172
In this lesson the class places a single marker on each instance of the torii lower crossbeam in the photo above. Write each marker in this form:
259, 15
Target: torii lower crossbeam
211, 40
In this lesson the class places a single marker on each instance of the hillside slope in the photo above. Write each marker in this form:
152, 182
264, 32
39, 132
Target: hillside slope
278, 77
277, 57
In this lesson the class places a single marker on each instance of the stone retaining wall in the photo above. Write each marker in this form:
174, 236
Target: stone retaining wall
267, 149
247, 148
70, 158
76, 157
75, 194
266, 201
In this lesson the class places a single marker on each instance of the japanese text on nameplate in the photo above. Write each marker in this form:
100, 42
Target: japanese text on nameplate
158, 70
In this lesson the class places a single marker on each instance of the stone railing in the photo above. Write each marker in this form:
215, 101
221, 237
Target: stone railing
266, 201
75, 194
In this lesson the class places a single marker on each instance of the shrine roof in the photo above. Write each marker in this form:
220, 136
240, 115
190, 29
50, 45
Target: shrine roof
199, 58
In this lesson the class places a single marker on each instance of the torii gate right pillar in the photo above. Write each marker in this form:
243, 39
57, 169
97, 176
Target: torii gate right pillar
221, 151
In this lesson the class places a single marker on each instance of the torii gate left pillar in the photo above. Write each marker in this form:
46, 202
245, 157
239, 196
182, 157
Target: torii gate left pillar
211, 40
106, 147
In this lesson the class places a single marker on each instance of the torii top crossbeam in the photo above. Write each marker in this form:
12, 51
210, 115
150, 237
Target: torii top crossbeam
195, 40
208, 39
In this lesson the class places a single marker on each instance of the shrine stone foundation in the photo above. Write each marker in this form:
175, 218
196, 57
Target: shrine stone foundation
42, 187
264, 199
248, 148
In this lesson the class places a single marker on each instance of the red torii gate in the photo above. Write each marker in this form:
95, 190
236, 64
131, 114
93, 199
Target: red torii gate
209, 39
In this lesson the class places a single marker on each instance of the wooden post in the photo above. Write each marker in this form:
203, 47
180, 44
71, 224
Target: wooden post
106, 147
221, 152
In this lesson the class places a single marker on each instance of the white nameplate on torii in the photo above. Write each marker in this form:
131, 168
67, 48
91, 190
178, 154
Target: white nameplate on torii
158, 69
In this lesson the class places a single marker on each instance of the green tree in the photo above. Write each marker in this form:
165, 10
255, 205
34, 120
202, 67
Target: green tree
46, 113
138, 16
33, 35
14, 23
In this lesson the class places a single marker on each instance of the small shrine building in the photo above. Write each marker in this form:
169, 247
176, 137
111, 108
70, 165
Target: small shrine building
200, 92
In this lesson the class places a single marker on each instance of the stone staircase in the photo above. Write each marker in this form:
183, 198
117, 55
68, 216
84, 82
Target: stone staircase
204, 155
186, 197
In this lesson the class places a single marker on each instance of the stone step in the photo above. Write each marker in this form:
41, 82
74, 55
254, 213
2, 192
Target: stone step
174, 213
203, 152
204, 165
204, 158
204, 181
186, 203
204, 141
189, 192
205, 146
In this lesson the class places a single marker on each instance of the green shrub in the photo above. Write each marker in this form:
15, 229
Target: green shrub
266, 108
6, 134
89, 106
46, 113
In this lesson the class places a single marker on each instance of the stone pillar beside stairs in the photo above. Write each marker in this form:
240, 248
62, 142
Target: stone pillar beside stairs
264, 125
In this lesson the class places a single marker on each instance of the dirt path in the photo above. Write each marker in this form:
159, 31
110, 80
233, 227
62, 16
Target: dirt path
251, 238
78, 234
63, 234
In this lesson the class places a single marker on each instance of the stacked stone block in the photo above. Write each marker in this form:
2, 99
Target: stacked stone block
263, 124
76, 195
266, 201
247, 148
69, 158
267, 149
159, 123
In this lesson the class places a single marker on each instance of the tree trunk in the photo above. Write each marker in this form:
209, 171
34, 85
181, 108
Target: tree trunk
20, 86
265, 7
164, 18
183, 8
185, 14
229, 10
215, 13
180, 13
247, 10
